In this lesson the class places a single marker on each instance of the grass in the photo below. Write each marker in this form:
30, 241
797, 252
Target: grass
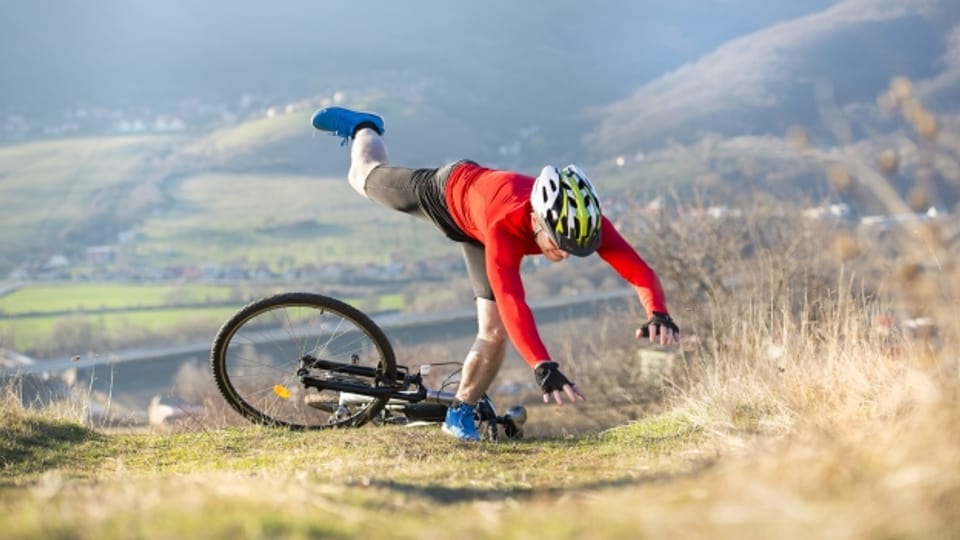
34, 445
259, 220
846, 435
258, 132
69, 316
48, 298
140, 313
248, 482
130, 327
744, 452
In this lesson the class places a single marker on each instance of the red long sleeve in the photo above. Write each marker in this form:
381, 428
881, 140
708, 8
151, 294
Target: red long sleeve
632, 268
503, 271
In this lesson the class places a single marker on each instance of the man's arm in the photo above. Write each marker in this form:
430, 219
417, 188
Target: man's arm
627, 262
503, 271
621, 256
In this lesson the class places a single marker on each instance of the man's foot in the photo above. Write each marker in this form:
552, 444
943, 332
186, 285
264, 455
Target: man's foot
460, 422
344, 122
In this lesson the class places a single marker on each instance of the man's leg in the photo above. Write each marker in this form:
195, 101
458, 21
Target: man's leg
486, 356
365, 129
368, 151
479, 369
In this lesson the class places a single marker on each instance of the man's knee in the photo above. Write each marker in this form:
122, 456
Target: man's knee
494, 333
489, 351
490, 326
358, 180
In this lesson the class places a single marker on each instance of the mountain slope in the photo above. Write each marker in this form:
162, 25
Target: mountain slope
767, 81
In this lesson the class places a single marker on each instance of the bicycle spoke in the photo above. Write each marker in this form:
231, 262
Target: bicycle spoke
257, 356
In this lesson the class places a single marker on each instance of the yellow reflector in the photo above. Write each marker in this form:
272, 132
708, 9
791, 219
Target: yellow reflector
281, 391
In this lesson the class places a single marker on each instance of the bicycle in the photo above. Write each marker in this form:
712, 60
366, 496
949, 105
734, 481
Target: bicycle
306, 361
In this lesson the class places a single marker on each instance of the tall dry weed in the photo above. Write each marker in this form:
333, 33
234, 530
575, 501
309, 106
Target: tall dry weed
825, 354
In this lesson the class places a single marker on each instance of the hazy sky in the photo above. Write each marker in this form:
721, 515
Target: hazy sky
56, 54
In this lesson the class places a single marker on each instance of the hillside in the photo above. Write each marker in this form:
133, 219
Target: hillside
840, 59
63, 195
671, 101
798, 108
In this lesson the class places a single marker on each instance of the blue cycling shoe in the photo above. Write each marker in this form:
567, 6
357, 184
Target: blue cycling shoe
460, 422
343, 122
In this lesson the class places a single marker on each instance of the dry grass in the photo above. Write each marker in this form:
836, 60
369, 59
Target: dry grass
789, 420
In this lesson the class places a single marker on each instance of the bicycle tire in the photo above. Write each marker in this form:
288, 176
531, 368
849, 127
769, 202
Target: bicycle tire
256, 355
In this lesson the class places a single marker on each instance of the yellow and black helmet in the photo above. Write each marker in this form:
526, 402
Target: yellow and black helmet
565, 201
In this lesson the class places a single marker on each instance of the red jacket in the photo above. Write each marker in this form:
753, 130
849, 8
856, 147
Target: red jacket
493, 207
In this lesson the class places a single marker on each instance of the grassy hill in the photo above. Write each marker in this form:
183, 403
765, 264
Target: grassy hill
841, 440
72, 192
195, 201
264, 219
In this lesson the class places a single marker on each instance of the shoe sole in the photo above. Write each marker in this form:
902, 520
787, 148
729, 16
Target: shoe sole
450, 432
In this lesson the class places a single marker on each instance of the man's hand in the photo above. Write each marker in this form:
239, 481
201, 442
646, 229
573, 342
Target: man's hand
662, 326
554, 383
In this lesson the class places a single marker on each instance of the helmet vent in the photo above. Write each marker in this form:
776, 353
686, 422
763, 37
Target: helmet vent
569, 208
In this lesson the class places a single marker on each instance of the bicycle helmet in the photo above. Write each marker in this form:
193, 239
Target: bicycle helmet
565, 201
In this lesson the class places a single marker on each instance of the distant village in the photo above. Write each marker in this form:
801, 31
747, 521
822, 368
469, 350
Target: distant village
106, 263
187, 115
111, 262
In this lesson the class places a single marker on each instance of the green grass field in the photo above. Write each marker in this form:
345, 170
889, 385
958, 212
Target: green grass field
78, 297
72, 334
137, 313
48, 298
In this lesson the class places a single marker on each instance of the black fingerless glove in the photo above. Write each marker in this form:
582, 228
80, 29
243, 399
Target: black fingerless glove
662, 320
549, 377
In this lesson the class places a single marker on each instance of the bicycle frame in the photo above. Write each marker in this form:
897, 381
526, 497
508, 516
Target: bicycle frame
393, 389
423, 403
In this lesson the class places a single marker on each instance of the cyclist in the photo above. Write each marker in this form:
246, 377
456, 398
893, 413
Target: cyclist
498, 217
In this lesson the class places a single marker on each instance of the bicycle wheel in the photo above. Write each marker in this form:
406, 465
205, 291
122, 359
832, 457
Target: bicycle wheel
257, 354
